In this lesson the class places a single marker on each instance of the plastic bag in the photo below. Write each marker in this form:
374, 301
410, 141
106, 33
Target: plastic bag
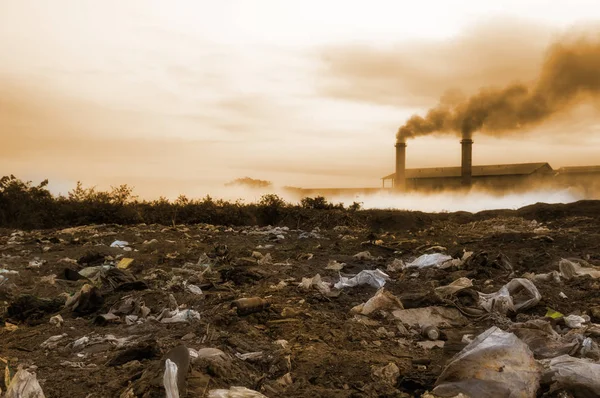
235, 392
495, 364
581, 377
429, 260
382, 300
571, 269
375, 278
543, 340
317, 283
170, 379
24, 385
518, 294
457, 285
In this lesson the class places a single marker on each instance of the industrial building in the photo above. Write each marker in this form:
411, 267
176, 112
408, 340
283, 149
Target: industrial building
495, 177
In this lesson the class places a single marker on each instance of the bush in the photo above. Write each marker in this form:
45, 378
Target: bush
27, 206
319, 203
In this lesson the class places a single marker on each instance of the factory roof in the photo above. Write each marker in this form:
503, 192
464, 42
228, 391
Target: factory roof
478, 171
579, 169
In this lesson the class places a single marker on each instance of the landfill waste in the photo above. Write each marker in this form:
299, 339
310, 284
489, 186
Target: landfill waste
375, 278
246, 306
315, 282
432, 316
518, 294
456, 286
235, 392
577, 268
430, 332
400, 330
381, 301
120, 244
494, 364
575, 321
396, 265
580, 377
170, 379
364, 256
543, 340
335, 266
24, 385
429, 260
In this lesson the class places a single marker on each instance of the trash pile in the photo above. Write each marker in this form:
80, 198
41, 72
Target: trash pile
479, 309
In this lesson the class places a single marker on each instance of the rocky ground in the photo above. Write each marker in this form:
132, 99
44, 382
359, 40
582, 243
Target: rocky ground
88, 322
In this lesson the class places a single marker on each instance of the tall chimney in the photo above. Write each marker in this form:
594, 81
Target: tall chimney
400, 180
466, 170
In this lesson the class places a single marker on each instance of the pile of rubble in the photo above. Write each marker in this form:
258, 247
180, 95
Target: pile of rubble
213, 311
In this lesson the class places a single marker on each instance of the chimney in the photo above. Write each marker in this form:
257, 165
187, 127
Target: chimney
400, 180
466, 170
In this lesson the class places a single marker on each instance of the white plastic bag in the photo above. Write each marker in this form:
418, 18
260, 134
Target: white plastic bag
518, 294
170, 379
24, 385
375, 278
495, 364
429, 260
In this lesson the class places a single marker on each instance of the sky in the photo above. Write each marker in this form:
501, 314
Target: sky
183, 96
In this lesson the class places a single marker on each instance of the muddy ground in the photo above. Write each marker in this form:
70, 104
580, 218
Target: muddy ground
308, 342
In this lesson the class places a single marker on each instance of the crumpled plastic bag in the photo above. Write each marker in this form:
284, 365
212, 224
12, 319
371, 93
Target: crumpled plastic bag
316, 282
543, 340
581, 377
382, 300
375, 278
429, 260
573, 269
518, 294
457, 285
235, 392
24, 385
179, 316
495, 364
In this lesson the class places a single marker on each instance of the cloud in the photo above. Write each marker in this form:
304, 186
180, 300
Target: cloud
417, 73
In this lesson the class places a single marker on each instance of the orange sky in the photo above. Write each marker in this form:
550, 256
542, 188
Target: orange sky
170, 95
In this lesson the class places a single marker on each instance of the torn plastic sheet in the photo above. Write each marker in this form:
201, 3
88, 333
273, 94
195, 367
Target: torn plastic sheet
573, 269
581, 377
494, 364
120, 244
457, 285
518, 294
429, 260
543, 340
375, 278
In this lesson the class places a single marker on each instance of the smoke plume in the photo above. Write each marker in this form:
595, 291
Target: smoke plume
569, 74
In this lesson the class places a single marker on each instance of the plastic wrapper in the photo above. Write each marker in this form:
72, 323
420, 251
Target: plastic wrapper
495, 364
375, 278
573, 269
518, 294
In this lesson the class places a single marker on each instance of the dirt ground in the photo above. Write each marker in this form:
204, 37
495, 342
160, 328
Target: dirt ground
306, 343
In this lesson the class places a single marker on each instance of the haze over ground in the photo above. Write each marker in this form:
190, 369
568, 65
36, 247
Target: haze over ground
181, 97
